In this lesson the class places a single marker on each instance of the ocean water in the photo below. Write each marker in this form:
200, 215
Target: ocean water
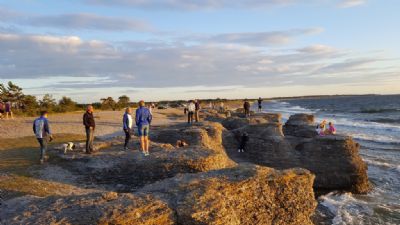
374, 122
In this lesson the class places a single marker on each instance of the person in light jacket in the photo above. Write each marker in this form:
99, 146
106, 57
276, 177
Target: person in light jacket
191, 110
41, 129
127, 126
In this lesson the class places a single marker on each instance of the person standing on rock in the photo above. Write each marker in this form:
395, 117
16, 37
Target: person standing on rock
143, 121
197, 109
89, 123
127, 126
41, 129
260, 104
246, 106
191, 110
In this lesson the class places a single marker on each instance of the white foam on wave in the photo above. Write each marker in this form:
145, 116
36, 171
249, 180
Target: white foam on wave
387, 165
345, 208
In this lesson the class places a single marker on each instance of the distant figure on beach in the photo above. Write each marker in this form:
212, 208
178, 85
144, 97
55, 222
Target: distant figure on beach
221, 107
191, 110
246, 106
331, 130
151, 107
321, 128
260, 104
185, 109
243, 142
127, 126
90, 125
8, 110
143, 121
197, 109
1, 110
41, 129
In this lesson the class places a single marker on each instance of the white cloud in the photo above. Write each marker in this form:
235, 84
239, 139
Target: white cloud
74, 21
38, 56
351, 3
193, 5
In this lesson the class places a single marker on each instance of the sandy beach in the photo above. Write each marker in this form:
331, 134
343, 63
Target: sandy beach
108, 123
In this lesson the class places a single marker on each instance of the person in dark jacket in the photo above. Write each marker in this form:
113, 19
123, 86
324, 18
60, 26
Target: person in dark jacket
246, 106
260, 104
243, 142
41, 129
197, 109
143, 121
127, 126
90, 125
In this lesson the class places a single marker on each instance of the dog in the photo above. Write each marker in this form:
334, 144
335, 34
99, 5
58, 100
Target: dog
180, 144
70, 146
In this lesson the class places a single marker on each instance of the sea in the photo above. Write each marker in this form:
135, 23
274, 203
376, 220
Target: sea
374, 122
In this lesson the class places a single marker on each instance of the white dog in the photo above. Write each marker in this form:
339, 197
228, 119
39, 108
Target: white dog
68, 147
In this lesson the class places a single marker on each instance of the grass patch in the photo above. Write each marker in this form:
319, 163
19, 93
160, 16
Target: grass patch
18, 154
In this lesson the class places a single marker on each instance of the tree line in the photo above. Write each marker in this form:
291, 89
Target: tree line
30, 105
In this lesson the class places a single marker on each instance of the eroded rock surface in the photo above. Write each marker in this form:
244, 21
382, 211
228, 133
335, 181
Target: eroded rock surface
334, 159
246, 194
300, 125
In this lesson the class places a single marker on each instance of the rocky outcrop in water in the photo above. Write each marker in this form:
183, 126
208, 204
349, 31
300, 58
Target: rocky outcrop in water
334, 159
300, 125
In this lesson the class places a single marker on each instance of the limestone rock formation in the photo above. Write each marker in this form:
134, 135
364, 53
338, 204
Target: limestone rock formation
300, 125
246, 194
334, 159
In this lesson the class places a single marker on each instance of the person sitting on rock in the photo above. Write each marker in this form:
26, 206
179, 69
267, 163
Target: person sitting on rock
321, 128
331, 130
243, 142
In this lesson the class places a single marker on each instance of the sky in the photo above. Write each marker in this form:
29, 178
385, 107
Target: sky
187, 49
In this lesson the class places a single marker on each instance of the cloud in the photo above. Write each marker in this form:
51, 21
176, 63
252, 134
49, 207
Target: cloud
258, 38
74, 21
48, 57
351, 3
194, 4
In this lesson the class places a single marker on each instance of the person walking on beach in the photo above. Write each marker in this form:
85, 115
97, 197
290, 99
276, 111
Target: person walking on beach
41, 129
127, 126
90, 125
191, 110
8, 110
246, 106
197, 109
143, 121
260, 104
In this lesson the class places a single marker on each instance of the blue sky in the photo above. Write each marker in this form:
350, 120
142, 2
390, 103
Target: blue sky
177, 49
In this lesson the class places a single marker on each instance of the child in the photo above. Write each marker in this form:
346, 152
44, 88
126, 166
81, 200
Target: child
331, 130
243, 141
321, 128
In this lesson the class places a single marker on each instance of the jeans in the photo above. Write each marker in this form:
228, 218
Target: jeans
89, 139
43, 147
128, 134
196, 116
190, 117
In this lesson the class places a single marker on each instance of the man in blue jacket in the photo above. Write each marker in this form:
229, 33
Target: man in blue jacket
143, 121
41, 129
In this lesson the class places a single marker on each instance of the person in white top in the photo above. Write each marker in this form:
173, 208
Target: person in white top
127, 126
191, 110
